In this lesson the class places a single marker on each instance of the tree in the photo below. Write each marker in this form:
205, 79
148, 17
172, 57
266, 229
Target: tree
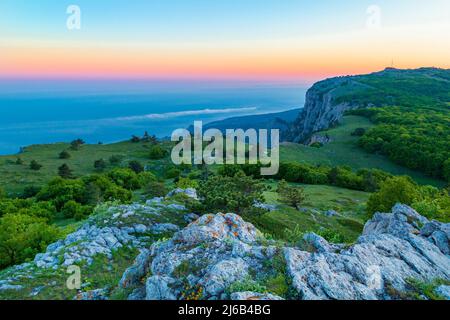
19, 161
34, 165
146, 137
64, 155
22, 237
125, 178
392, 191
76, 144
116, 159
155, 189
92, 194
231, 194
172, 173
59, 191
100, 165
157, 152
292, 196
30, 191
359, 132
70, 209
136, 166
65, 172
135, 139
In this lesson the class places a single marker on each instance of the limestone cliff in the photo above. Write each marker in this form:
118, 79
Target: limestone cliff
327, 100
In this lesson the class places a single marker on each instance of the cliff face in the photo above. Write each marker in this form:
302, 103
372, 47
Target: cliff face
322, 110
327, 101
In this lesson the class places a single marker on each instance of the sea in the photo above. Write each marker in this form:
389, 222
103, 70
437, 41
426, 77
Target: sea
44, 111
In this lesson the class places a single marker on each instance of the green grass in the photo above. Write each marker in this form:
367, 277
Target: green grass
103, 273
344, 150
349, 203
13, 177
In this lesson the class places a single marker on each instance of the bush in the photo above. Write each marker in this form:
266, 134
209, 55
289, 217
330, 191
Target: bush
231, 194
64, 155
59, 191
136, 166
19, 161
22, 237
42, 209
100, 165
71, 208
116, 159
317, 145
246, 285
76, 144
34, 165
125, 178
157, 152
155, 189
135, 139
359, 132
30, 191
394, 190
292, 196
172, 173
186, 183
65, 172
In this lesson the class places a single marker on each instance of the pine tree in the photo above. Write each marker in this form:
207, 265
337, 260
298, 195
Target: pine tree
65, 172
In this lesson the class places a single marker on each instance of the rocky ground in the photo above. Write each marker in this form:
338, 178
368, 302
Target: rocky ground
178, 255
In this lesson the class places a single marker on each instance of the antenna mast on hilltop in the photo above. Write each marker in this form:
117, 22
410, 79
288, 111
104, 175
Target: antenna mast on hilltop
392, 63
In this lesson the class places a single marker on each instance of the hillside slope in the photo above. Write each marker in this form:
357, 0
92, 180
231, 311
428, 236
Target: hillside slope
221, 256
328, 100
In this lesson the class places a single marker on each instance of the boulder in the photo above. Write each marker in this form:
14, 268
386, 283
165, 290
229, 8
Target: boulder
158, 288
190, 193
222, 275
133, 275
389, 252
443, 291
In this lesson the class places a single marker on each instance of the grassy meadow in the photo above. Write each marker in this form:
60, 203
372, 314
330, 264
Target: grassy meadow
344, 150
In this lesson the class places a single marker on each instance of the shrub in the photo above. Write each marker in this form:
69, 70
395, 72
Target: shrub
186, 183
76, 144
246, 285
317, 145
71, 208
65, 172
64, 155
135, 139
136, 166
293, 196
34, 165
100, 165
231, 194
359, 132
125, 178
157, 152
59, 191
155, 189
394, 190
116, 159
22, 237
30, 191
172, 173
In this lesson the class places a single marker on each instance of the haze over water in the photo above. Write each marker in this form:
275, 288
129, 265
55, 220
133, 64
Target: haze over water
48, 112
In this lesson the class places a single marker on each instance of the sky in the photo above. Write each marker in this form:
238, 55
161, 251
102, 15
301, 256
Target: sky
258, 40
